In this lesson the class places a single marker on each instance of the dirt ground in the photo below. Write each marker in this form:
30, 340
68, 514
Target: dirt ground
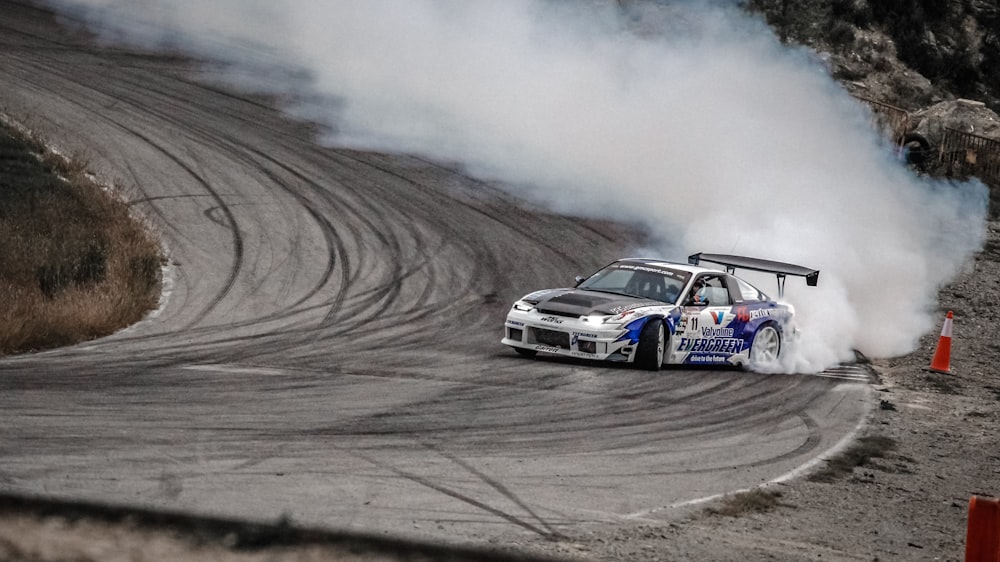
911, 504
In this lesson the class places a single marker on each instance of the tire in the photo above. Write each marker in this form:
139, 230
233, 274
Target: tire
525, 352
918, 149
652, 346
766, 348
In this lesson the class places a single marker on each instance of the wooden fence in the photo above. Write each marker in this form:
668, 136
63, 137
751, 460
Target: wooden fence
966, 154
894, 122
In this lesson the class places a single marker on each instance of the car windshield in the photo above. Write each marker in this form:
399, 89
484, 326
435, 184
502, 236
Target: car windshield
640, 281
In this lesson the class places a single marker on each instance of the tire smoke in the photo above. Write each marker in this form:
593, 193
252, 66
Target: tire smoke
690, 119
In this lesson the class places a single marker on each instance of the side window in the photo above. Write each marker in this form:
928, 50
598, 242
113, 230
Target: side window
718, 294
748, 292
712, 288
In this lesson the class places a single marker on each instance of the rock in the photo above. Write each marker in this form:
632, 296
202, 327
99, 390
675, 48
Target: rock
967, 116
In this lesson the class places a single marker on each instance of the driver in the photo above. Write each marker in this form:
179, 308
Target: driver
697, 296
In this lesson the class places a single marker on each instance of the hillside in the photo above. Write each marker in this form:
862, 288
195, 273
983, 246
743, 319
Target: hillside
909, 53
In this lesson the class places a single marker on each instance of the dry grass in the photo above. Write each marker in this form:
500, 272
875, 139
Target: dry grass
75, 263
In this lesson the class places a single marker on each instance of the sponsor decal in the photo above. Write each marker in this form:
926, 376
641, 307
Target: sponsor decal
577, 335
624, 315
665, 272
630, 307
707, 359
552, 319
766, 313
583, 354
744, 314
514, 323
711, 345
712, 332
718, 316
631, 267
547, 348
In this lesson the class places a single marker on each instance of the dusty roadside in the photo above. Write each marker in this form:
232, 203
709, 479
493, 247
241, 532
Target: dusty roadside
911, 504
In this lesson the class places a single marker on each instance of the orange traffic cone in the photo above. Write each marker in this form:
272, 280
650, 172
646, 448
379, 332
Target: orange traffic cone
982, 541
942, 354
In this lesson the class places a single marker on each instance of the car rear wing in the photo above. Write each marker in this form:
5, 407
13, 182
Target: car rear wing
755, 264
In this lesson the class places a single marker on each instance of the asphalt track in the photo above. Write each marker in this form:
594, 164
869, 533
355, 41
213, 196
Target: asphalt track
328, 350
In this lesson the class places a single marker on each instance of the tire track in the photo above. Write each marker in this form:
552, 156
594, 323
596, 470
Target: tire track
351, 310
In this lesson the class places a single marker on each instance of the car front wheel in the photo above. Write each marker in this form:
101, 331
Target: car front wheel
652, 344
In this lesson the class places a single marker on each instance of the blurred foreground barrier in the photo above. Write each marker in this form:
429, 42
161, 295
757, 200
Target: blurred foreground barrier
982, 543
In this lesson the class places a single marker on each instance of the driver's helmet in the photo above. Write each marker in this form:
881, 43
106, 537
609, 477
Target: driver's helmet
696, 288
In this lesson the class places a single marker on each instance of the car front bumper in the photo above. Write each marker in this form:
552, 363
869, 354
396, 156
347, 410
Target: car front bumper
569, 336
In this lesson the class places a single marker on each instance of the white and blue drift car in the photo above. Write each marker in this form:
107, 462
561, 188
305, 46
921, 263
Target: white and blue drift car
653, 312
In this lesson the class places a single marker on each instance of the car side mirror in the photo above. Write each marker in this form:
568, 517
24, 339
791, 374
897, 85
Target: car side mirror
579, 280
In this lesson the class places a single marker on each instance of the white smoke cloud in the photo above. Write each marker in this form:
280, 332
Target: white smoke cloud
691, 120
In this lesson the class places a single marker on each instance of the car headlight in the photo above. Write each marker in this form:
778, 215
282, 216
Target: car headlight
523, 306
602, 319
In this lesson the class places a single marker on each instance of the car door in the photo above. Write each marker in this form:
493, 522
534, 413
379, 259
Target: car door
709, 331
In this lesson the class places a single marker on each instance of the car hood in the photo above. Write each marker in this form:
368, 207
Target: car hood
579, 302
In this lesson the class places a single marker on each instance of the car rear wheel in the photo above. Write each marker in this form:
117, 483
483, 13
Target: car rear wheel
525, 352
765, 348
652, 344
